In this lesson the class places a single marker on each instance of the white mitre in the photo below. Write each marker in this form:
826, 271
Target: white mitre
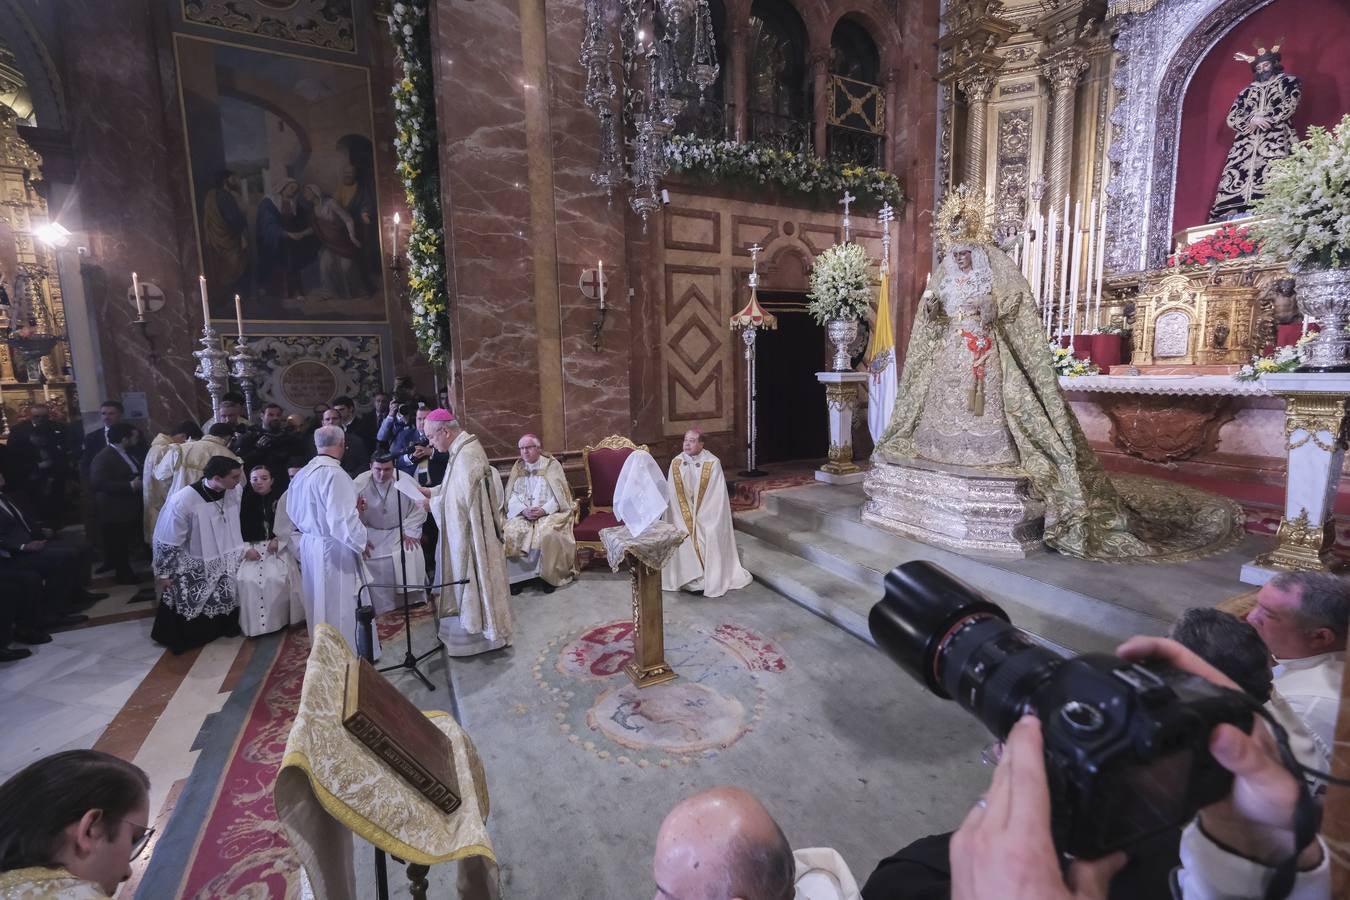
640, 495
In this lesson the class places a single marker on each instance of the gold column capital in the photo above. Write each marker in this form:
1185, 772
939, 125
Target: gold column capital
1063, 68
1312, 414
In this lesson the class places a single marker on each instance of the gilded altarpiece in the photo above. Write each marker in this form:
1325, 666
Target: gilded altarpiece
1185, 320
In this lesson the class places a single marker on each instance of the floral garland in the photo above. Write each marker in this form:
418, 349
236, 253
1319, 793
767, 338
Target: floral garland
841, 284
1066, 363
1229, 242
800, 172
1284, 359
419, 168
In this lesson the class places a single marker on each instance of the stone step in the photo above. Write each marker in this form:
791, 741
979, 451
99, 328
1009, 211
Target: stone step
838, 600
841, 547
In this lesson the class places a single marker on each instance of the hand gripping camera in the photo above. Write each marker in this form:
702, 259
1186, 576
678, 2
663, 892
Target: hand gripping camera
1126, 745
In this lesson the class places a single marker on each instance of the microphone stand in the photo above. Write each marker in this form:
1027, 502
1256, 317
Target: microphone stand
410, 659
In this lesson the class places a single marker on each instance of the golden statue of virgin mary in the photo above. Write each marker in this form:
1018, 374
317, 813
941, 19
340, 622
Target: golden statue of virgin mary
979, 390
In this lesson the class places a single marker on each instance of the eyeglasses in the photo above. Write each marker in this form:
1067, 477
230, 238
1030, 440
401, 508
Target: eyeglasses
139, 843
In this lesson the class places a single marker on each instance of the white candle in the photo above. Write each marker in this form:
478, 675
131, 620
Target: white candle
1305, 326
136, 292
396, 221
238, 315
1050, 254
46, 394
1101, 256
206, 308
1076, 261
1091, 265
602, 284
1064, 266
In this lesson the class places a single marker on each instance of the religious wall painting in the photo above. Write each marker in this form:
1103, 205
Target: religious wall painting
329, 24
282, 165
303, 372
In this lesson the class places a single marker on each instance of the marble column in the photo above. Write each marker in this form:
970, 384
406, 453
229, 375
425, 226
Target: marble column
1062, 70
1315, 419
841, 399
976, 86
819, 61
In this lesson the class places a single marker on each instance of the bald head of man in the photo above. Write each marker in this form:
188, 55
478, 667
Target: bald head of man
722, 844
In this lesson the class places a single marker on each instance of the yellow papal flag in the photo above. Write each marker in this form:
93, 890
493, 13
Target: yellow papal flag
881, 366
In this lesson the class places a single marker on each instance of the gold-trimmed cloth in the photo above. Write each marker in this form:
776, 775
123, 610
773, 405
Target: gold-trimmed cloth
42, 883
1089, 514
332, 786
654, 547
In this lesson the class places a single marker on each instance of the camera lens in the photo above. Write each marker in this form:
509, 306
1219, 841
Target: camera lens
922, 608
959, 644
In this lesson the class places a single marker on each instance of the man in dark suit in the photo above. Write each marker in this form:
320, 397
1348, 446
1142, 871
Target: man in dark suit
271, 443
110, 412
43, 454
356, 455
63, 566
19, 614
368, 424
115, 481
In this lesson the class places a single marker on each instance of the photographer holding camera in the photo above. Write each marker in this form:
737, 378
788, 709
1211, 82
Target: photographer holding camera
1102, 754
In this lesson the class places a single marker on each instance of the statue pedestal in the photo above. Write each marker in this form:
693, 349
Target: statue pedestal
841, 398
968, 510
1315, 414
646, 554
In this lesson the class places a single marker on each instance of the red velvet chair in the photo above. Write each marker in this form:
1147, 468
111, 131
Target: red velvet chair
603, 462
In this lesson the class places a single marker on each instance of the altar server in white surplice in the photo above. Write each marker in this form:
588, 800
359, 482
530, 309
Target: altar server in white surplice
383, 499
707, 561
467, 506
321, 503
539, 515
268, 578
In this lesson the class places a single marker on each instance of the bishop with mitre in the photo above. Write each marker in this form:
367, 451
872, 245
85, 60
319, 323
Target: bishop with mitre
539, 514
467, 507
391, 498
707, 561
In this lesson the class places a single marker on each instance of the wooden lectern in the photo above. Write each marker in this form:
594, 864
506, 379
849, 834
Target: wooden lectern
646, 554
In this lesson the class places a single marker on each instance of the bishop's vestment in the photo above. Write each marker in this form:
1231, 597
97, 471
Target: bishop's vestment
544, 548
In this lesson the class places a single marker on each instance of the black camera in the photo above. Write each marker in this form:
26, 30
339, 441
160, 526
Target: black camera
1126, 745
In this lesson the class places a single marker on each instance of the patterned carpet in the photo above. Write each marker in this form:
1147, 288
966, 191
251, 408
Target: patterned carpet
747, 493
241, 850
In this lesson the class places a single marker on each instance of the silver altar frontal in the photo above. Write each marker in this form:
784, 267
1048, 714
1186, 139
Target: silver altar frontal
978, 512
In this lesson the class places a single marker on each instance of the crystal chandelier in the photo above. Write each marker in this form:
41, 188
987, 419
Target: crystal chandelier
659, 54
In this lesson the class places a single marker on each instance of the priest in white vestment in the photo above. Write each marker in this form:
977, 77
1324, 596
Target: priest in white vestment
467, 506
321, 503
386, 492
268, 578
187, 466
707, 561
197, 549
539, 517
162, 460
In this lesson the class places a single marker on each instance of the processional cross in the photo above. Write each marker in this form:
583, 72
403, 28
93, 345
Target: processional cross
845, 203
754, 265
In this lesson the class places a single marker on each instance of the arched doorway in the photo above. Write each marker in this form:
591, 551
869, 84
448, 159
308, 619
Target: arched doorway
791, 410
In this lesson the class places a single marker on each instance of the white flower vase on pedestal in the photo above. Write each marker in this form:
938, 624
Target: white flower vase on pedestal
842, 333
1324, 295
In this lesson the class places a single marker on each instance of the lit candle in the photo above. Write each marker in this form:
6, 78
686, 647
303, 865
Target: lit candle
206, 308
238, 315
1091, 265
396, 221
602, 284
1101, 257
1064, 266
136, 292
1075, 257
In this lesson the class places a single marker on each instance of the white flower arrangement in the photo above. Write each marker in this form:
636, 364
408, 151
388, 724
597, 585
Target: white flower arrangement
1284, 359
1066, 363
800, 172
1305, 213
841, 284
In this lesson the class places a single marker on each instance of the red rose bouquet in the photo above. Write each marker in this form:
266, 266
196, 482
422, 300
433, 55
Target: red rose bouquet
1229, 242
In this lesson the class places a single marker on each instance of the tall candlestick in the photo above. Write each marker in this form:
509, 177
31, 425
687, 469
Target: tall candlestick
1052, 280
238, 315
1064, 267
1101, 256
1091, 266
1075, 258
136, 292
396, 221
206, 307
1048, 276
